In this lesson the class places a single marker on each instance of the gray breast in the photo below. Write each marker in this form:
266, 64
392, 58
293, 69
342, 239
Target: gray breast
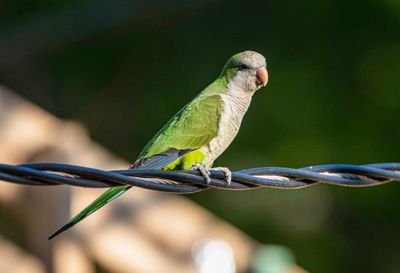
229, 124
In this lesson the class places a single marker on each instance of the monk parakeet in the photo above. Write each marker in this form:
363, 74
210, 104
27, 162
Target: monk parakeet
195, 136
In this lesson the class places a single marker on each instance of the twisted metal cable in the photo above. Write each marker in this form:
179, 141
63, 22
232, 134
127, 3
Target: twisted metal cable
40, 174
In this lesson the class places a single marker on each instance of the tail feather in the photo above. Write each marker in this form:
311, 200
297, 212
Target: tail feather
155, 162
102, 200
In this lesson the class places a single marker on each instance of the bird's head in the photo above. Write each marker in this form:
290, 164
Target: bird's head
246, 71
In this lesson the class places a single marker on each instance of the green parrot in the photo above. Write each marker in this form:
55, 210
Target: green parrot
195, 136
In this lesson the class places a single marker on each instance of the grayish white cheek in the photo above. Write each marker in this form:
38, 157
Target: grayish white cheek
243, 84
236, 102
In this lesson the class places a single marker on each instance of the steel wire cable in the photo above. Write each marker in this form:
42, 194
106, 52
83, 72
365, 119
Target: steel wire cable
50, 174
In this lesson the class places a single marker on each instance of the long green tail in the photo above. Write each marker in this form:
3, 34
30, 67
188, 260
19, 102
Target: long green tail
155, 162
103, 199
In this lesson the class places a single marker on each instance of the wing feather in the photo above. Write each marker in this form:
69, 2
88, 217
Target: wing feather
191, 128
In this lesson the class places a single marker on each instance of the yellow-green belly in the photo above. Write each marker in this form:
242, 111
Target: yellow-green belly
186, 161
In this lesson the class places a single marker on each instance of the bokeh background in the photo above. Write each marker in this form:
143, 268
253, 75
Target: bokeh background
122, 68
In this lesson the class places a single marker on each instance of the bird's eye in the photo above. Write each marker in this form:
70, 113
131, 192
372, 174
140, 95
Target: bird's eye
244, 66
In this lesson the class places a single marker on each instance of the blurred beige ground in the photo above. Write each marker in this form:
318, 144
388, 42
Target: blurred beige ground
143, 231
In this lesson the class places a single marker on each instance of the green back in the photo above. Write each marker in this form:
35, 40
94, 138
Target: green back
193, 126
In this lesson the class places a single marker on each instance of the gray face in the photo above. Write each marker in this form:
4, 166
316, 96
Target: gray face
248, 65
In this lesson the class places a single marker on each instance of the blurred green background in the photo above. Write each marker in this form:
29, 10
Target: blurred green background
123, 68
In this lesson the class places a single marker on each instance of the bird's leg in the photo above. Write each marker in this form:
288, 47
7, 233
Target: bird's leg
204, 172
227, 173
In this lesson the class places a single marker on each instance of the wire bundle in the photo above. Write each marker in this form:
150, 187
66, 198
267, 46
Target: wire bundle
40, 174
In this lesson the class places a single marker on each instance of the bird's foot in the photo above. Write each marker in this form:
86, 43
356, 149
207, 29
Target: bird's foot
203, 171
227, 173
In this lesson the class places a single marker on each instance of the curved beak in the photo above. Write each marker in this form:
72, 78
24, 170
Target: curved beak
262, 75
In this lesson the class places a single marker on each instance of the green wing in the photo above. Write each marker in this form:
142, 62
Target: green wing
192, 127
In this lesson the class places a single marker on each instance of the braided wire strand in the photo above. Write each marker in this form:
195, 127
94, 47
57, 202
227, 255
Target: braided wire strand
50, 174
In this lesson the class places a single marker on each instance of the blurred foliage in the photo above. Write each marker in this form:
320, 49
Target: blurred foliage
124, 67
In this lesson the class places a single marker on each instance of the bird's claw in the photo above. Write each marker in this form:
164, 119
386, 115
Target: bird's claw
206, 173
227, 173
203, 171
